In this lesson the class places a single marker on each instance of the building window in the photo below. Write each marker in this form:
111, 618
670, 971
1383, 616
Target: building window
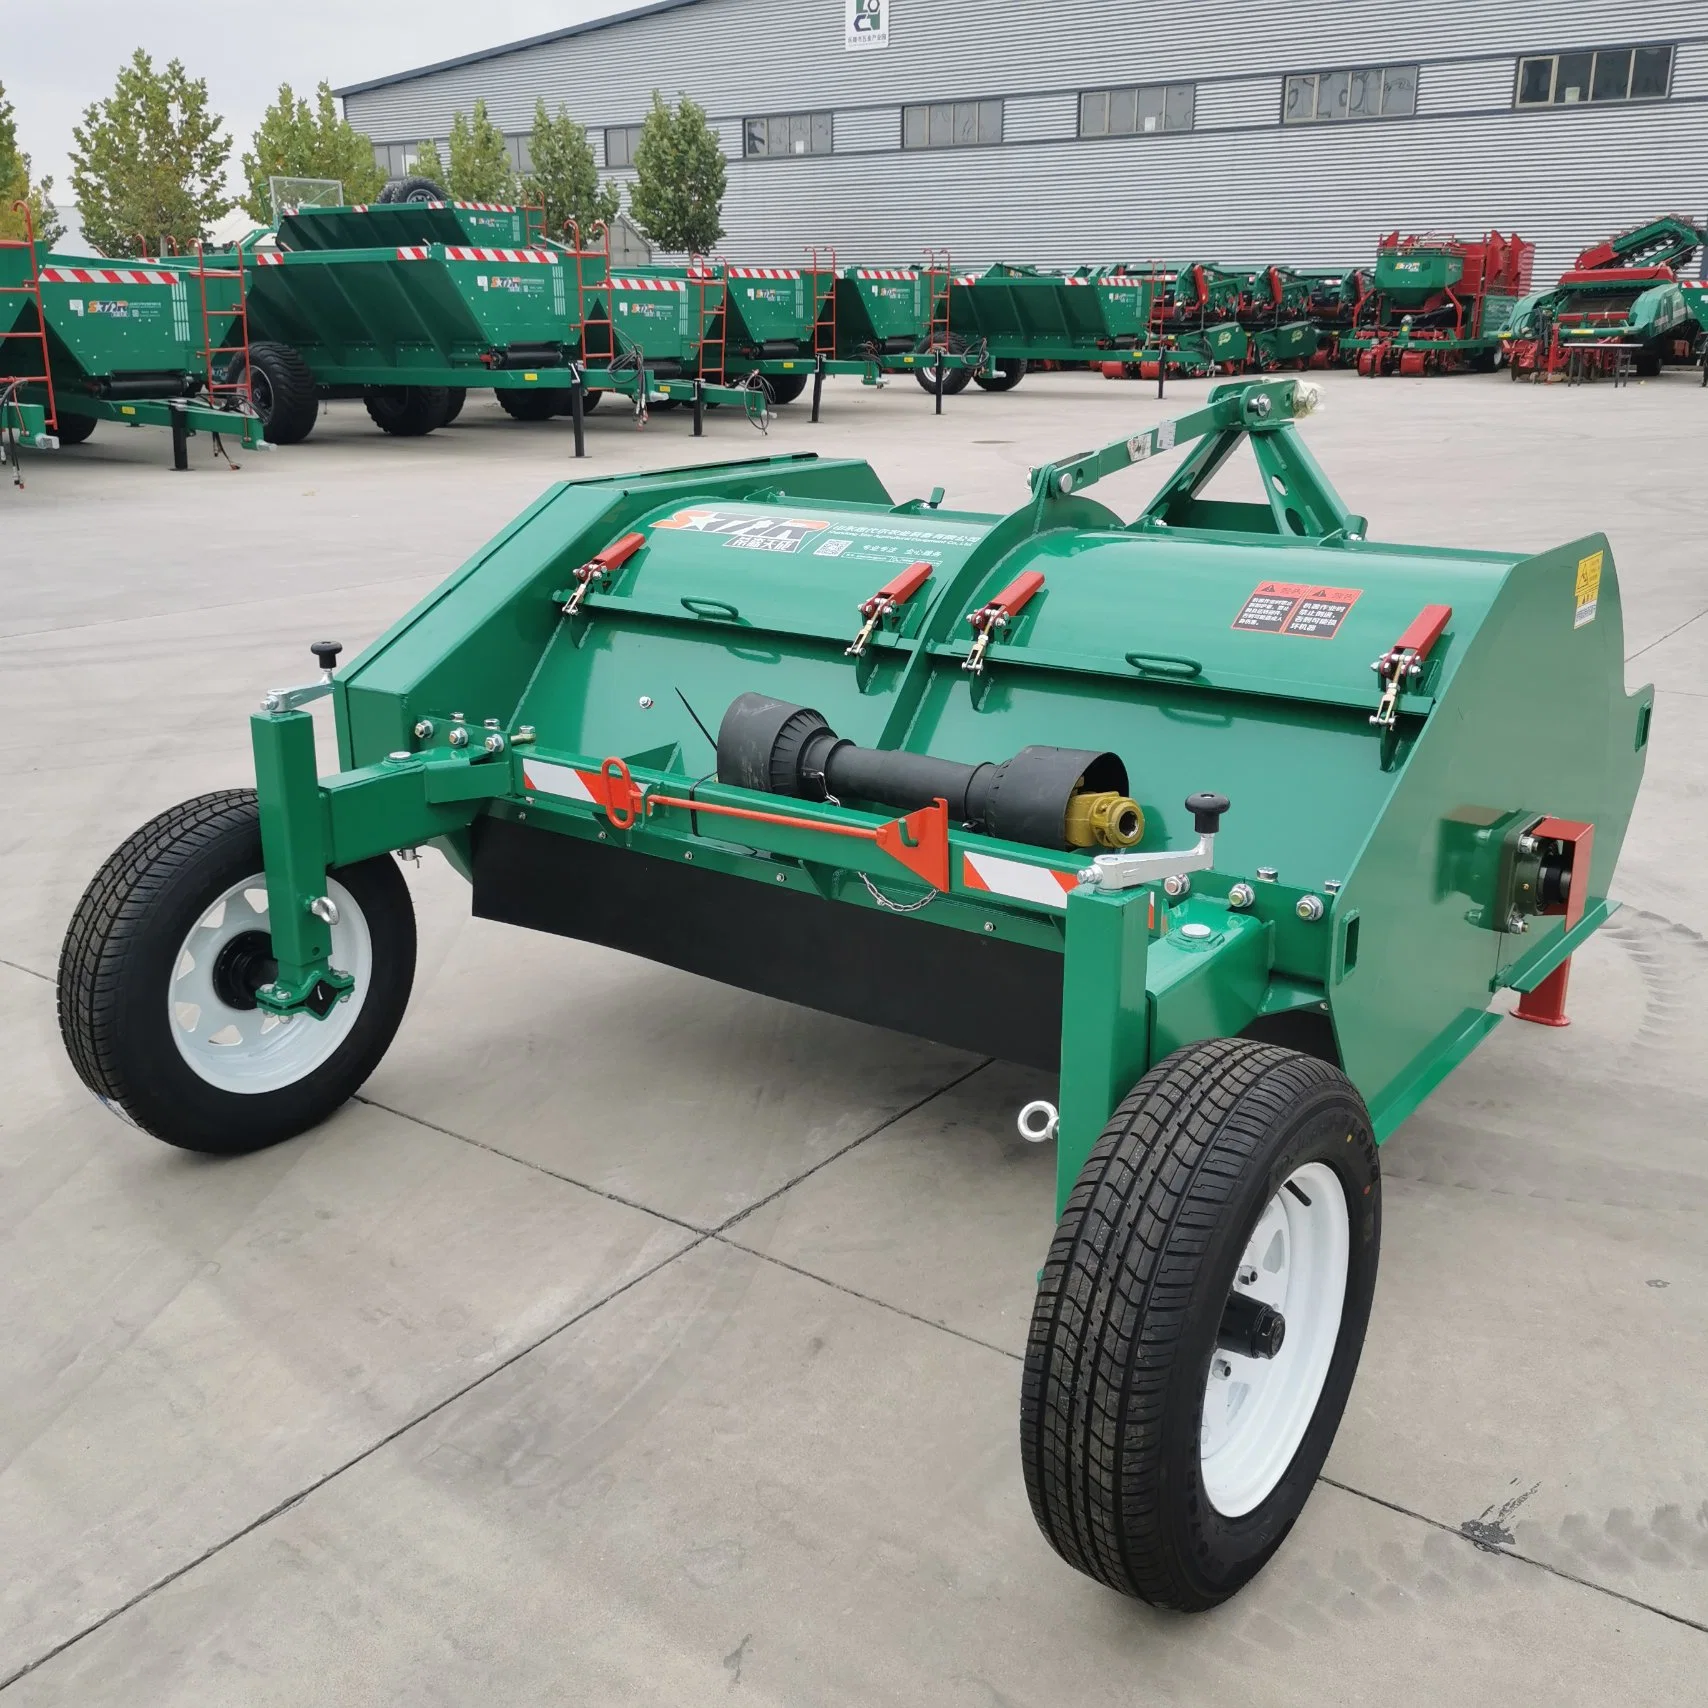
787, 133
521, 154
951, 124
1372, 92
621, 141
1606, 74
1129, 112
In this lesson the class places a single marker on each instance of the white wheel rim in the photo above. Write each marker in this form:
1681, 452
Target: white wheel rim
1256, 1410
248, 1050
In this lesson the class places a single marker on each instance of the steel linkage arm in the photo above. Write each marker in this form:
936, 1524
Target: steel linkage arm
1300, 500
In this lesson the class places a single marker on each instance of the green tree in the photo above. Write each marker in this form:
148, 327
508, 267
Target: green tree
16, 185
565, 177
149, 161
480, 160
428, 164
680, 176
297, 140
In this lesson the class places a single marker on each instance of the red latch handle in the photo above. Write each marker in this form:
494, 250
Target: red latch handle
1012, 600
898, 589
615, 555
1424, 631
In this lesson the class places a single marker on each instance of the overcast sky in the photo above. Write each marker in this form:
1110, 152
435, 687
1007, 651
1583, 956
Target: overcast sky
56, 56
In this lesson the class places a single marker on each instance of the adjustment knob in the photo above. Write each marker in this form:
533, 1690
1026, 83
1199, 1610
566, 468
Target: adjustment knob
326, 654
1206, 811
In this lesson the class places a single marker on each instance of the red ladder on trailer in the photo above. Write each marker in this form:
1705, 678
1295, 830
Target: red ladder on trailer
937, 273
581, 254
704, 271
824, 337
230, 389
32, 287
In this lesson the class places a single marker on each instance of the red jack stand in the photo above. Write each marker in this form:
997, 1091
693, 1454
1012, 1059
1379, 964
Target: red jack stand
1546, 1004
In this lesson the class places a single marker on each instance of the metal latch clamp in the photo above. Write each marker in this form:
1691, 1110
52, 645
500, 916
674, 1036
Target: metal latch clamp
1007, 605
890, 597
597, 568
1403, 662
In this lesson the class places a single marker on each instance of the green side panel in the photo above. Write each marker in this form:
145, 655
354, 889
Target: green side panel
1410, 277
766, 311
415, 311
880, 308
384, 225
107, 318
1534, 720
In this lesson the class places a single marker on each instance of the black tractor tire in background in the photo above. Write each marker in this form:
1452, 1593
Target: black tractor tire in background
783, 388
955, 380
282, 390
1648, 362
529, 405
1004, 375
589, 402
125, 940
414, 190
74, 429
455, 397
407, 411
1136, 1297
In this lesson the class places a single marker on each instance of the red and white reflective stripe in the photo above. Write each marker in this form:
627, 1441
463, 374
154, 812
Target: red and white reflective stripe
764, 272
649, 284
456, 253
1038, 884
269, 258
541, 777
885, 273
482, 207
1076, 281
419, 252
966, 280
106, 276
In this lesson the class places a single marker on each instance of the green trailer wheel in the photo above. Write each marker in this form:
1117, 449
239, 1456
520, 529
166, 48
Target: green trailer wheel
1005, 374
1199, 1321
163, 958
282, 391
74, 429
529, 405
407, 411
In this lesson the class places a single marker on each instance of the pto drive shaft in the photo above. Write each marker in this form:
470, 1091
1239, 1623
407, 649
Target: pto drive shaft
1052, 797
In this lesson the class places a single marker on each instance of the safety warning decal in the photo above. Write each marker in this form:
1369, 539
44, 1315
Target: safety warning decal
750, 533
1588, 589
1288, 608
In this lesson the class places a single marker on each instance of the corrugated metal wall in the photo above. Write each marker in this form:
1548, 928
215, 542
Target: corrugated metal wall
1237, 187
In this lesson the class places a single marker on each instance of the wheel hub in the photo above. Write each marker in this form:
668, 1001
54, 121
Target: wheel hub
243, 965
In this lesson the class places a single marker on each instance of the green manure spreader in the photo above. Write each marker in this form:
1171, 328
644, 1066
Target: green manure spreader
1236, 821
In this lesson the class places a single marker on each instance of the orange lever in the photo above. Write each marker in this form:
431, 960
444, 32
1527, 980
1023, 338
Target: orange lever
600, 565
988, 619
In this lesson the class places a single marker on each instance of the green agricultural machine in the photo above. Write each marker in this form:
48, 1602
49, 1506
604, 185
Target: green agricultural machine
141, 343
763, 721
1196, 325
1696, 300
410, 327
1024, 317
1276, 312
1438, 305
1621, 308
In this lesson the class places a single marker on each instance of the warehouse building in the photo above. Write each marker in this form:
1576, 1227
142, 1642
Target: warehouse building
1108, 130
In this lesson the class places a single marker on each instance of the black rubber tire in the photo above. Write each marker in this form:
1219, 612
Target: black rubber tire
955, 380
783, 388
414, 190
589, 402
407, 411
1004, 375
74, 429
282, 389
455, 397
1648, 363
123, 942
1132, 1294
529, 405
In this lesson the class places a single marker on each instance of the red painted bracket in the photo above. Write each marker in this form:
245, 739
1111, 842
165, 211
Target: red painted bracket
920, 842
599, 566
1405, 659
1546, 1004
894, 592
1009, 603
